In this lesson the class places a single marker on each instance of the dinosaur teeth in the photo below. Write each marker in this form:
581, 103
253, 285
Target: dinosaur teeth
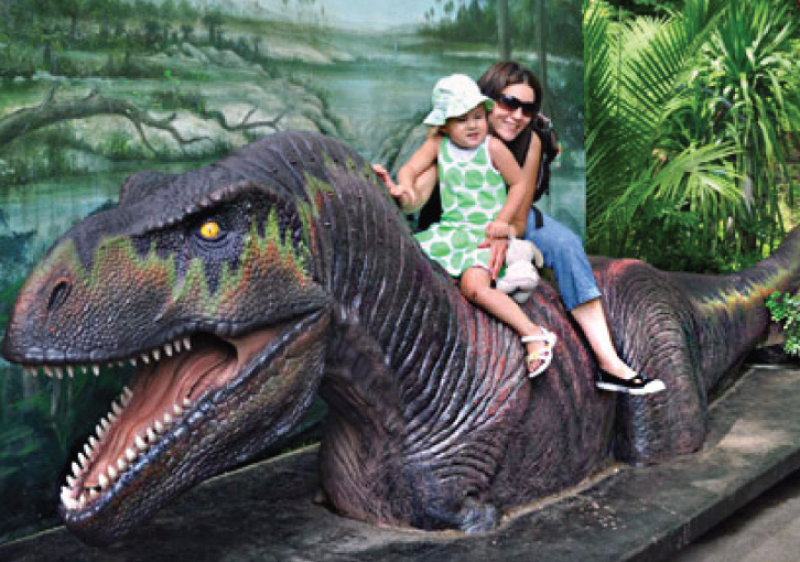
168, 349
127, 394
67, 499
78, 492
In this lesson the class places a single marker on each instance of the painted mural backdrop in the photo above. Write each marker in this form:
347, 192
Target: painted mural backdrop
94, 90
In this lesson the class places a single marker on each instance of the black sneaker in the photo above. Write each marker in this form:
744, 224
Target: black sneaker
636, 386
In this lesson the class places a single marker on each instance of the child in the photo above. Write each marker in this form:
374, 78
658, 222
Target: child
472, 167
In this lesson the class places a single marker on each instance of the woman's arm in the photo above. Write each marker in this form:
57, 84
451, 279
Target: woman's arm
505, 163
530, 174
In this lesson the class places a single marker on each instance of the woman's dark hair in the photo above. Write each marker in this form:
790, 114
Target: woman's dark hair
497, 78
503, 74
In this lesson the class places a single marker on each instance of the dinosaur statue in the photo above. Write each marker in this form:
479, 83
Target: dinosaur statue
241, 290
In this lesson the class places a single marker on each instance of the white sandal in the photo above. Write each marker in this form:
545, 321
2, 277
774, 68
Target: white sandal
545, 355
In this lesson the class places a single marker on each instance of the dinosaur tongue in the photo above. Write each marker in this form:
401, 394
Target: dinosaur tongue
160, 393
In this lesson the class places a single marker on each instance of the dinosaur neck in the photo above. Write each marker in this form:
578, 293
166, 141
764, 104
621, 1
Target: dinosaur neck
382, 282
444, 368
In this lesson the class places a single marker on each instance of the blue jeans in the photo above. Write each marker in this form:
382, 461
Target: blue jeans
563, 253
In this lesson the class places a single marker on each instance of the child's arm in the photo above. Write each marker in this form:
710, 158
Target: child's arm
518, 189
415, 181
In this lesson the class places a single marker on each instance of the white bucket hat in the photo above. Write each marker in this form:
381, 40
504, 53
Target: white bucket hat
453, 96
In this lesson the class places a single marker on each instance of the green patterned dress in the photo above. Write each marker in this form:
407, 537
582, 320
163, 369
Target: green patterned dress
473, 193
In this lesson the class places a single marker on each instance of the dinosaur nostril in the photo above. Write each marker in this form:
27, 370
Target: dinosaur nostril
59, 295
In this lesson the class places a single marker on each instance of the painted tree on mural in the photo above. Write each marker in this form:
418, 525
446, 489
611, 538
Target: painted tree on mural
513, 25
503, 31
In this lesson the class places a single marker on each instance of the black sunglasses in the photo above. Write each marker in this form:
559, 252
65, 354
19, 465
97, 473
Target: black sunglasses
510, 103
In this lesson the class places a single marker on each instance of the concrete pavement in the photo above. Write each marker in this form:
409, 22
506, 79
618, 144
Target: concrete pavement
765, 530
265, 512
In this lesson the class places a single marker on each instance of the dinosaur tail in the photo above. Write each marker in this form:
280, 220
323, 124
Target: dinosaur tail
731, 310
691, 331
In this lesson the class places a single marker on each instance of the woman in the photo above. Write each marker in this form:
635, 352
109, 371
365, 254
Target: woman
517, 94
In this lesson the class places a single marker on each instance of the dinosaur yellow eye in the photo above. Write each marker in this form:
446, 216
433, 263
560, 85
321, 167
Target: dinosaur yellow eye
210, 230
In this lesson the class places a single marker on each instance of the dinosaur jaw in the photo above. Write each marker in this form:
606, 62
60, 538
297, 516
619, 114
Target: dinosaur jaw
191, 415
145, 416
151, 422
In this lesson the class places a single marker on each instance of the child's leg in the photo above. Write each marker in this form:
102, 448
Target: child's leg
476, 287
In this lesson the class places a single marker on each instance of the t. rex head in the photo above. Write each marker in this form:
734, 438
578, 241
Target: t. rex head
204, 282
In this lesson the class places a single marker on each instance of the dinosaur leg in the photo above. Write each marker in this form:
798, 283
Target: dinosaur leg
655, 332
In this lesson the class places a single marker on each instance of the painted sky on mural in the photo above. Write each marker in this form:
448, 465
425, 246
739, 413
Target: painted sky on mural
346, 13
379, 12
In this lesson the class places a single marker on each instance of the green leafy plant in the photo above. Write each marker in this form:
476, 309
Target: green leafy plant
784, 308
690, 114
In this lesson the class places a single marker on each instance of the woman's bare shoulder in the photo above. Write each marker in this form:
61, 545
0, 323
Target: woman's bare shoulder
497, 146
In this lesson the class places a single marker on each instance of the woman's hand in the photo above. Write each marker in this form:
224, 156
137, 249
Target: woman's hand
498, 229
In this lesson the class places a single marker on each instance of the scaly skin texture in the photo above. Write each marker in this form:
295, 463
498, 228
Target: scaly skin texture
242, 289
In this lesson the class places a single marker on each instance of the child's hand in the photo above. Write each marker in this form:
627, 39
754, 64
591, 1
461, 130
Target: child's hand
396, 190
497, 254
498, 229
382, 173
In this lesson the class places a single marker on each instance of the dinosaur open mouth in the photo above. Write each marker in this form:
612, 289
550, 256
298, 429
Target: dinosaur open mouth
167, 385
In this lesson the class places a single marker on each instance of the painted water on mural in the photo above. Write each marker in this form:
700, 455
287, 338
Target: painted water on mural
373, 96
193, 92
